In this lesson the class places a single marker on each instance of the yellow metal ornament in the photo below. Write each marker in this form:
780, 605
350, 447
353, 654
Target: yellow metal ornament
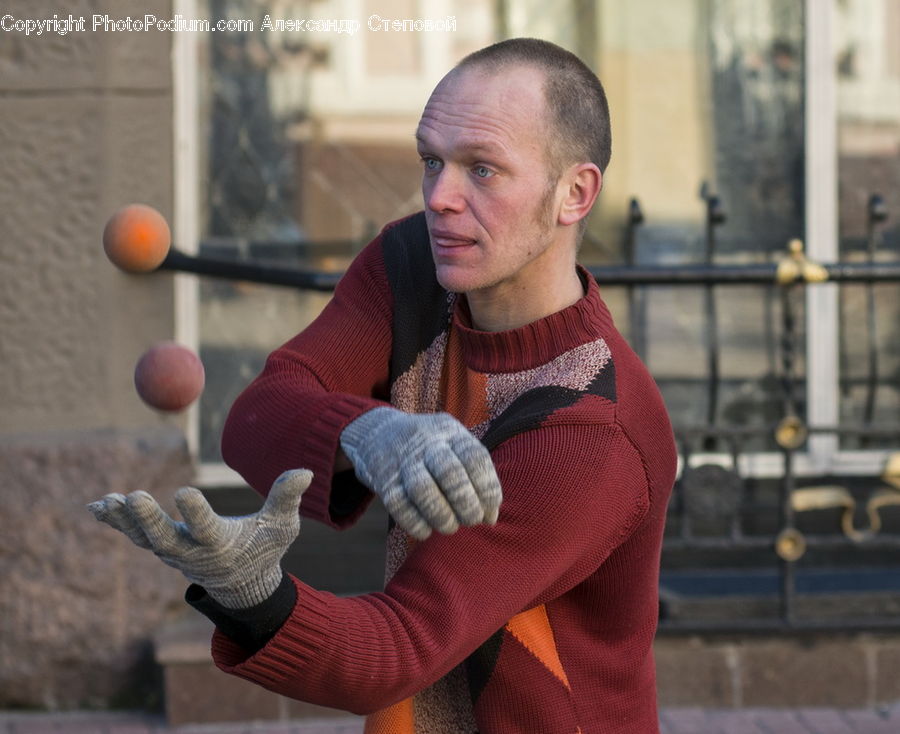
791, 432
796, 266
790, 545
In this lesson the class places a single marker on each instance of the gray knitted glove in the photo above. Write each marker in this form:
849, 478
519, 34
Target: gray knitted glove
428, 469
236, 559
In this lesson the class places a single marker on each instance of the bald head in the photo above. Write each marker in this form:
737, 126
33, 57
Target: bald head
576, 110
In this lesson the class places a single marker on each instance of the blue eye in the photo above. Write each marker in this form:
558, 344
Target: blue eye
482, 171
431, 164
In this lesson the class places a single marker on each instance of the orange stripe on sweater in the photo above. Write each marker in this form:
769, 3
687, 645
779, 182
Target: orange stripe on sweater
463, 391
532, 629
396, 719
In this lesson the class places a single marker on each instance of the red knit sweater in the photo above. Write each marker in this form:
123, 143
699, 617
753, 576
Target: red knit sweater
541, 623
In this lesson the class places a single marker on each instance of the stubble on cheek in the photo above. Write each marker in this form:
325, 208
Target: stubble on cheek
543, 215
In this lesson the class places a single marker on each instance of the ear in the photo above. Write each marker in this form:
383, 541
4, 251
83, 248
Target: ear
583, 182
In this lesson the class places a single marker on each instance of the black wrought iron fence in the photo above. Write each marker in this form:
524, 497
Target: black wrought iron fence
760, 530
747, 549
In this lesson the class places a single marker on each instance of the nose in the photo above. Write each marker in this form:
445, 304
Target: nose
443, 192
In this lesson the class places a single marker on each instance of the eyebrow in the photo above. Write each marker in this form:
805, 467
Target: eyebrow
472, 148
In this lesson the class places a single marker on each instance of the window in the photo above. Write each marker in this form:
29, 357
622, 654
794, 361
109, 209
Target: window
867, 66
788, 113
707, 101
306, 150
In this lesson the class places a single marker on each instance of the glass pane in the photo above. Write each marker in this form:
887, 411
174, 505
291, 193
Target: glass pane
310, 151
706, 99
867, 64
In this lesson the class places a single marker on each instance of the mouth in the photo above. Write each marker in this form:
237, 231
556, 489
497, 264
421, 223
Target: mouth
445, 239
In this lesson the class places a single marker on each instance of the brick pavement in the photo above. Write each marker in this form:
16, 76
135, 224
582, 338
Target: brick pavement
883, 720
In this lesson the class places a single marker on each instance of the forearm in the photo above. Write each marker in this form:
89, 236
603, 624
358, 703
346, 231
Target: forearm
304, 431
292, 414
356, 654
454, 591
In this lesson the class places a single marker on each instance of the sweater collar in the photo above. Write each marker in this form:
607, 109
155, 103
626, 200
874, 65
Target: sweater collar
537, 343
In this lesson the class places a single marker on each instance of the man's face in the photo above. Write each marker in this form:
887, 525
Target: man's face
489, 200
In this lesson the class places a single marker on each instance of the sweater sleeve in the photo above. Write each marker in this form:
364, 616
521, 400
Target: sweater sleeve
573, 494
292, 414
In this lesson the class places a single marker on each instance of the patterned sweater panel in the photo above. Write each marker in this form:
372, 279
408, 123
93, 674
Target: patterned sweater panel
521, 392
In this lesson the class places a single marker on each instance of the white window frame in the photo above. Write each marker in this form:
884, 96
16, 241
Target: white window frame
823, 455
186, 192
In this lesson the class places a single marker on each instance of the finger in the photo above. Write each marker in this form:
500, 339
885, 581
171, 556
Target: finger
113, 511
283, 500
483, 476
425, 494
108, 509
404, 512
455, 486
160, 529
204, 525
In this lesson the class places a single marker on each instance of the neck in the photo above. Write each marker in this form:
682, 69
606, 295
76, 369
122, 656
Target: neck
536, 292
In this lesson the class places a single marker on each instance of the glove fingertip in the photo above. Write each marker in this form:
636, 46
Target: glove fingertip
420, 532
144, 507
495, 499
106, 505
139, 496
188, 498
291, 484
286, 491
448, 528
296, 476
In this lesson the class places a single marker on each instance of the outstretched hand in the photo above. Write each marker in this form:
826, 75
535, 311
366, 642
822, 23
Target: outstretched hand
236, 559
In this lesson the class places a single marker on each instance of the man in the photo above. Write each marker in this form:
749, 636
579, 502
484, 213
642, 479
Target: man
464, 350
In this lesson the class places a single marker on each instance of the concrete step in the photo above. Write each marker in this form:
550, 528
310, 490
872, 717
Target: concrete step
196, 692
715, 671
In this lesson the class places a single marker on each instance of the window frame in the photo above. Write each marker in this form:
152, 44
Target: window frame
186, 194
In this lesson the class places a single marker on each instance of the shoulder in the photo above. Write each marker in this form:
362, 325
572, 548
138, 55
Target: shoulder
409, 233
396, 239
410, 225
643, 418
377, 270
622, 438
406, 251
586, 467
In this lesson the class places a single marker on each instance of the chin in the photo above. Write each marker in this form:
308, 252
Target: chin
458, 280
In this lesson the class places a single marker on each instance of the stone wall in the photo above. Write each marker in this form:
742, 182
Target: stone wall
796, 669
79, 603
85, 127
